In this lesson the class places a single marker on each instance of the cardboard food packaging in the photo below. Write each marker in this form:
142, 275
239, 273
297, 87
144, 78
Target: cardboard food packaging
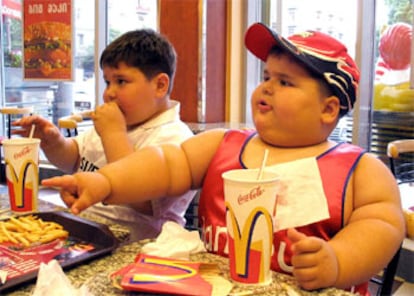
170, 276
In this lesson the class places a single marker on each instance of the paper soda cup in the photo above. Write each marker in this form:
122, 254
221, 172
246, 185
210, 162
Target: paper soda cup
250, 210
22, 172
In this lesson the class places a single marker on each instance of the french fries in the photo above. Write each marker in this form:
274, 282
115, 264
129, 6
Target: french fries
30, 230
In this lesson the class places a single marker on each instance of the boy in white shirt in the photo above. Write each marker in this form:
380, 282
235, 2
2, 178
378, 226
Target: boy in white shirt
138, 68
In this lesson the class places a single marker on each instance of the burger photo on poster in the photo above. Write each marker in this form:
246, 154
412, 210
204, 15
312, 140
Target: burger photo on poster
47, 50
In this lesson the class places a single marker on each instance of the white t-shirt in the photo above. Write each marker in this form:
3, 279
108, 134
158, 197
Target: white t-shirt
165, 128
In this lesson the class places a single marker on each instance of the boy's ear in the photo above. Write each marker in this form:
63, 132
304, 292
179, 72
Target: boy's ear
330, 109
162, 83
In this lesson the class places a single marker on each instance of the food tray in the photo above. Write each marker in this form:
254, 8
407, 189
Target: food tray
87, 240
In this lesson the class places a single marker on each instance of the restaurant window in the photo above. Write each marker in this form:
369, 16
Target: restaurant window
118, 19
50, 99
54, 99
393, 81
81, 39
15, 91
371, 30
83, 88
131, 15
332, 17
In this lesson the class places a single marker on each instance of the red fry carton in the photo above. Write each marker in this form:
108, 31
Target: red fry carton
162, 275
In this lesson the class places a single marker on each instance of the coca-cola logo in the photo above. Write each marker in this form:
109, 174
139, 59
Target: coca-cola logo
21, 153
253, 194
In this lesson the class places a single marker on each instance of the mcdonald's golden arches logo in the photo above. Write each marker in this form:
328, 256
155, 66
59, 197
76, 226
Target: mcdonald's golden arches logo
243, 243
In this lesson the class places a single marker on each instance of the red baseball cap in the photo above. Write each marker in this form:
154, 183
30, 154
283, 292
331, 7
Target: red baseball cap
319, 52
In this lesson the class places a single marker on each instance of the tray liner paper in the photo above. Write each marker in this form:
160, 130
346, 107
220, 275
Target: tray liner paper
162, 275
86, 240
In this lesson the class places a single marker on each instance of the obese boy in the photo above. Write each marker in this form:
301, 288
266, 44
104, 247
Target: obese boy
138, 69
309, 82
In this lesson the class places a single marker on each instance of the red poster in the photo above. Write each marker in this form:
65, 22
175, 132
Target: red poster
48, 39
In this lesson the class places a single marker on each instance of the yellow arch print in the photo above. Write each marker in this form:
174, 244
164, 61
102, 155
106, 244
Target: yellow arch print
18, 182
152, 278
243, 239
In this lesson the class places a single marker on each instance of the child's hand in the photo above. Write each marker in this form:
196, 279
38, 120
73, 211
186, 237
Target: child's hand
45, 130
314, 261
81, 190
108, 119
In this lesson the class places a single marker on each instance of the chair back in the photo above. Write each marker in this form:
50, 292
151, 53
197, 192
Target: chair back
70, 123
191, 214
386, 282
401, 159
11, 112
401, 156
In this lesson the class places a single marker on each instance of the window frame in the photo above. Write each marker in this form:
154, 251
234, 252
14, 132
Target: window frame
362, 113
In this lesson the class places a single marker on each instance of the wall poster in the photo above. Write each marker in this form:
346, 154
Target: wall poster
48, 40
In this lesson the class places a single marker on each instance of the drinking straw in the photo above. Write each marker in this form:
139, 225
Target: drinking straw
32, 131
260, 175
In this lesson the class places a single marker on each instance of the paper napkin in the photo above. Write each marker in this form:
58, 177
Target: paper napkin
301, 199
52, 281
176, 242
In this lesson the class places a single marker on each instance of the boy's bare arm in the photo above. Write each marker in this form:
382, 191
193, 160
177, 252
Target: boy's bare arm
148, 173
109, 123
199, 151
374, 223
60, 151
168, 170
373, 231
63, 154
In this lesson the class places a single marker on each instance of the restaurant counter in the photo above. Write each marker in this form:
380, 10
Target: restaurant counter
95, 273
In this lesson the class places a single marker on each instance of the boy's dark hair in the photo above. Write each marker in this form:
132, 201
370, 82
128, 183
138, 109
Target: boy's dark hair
144, 49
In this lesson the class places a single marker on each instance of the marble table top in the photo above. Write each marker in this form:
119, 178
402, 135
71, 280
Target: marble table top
95, 274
